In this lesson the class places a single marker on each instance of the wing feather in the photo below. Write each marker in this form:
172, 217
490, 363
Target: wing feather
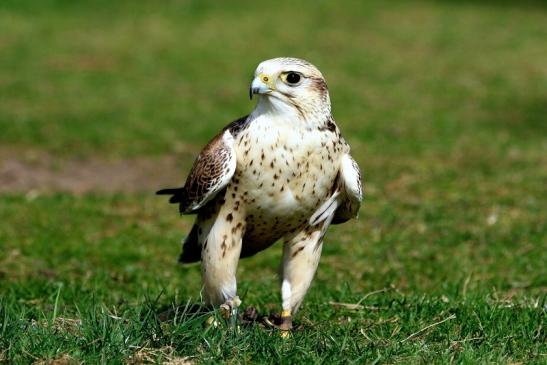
212, 171
351, 188
346, 199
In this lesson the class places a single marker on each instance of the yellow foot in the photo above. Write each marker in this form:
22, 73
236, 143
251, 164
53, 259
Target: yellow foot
286, 321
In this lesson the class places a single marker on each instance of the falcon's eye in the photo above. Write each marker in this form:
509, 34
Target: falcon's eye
292, 78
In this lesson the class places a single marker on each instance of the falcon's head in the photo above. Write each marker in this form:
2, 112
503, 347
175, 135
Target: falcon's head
291, 85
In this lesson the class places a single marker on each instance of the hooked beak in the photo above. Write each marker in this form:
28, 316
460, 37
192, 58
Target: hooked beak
262, 84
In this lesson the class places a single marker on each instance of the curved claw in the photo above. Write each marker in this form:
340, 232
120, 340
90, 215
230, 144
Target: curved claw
229, 308
282, 323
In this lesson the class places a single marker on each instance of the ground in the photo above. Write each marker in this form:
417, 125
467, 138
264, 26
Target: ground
444, 104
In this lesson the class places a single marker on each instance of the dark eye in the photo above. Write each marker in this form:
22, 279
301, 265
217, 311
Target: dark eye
293, 78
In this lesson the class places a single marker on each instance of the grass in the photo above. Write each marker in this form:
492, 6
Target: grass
444, 104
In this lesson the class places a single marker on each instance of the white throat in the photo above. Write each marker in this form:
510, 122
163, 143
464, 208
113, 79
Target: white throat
308, 116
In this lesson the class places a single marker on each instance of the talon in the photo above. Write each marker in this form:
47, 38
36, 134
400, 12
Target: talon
281, 322
268, 322
225, 311
250, 314
235, 302
229, 308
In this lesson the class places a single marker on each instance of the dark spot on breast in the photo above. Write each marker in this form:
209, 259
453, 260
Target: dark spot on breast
229, 217
297, 251
223, 246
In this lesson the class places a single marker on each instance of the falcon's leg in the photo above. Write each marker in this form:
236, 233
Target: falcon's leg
220, 255
301, 254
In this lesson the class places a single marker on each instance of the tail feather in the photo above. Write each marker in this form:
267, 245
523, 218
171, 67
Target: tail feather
191, 249
177, 194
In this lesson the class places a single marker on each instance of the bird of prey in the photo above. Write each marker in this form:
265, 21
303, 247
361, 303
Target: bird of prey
282, 172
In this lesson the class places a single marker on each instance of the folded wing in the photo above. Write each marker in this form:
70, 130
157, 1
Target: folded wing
344, 203
212, 171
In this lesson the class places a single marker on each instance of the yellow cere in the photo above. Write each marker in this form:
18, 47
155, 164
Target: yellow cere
267, 79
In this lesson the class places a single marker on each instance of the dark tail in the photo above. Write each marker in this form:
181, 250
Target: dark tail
191, 250
178, 194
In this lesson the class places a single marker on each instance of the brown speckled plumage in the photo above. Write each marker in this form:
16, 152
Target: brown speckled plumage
283, 172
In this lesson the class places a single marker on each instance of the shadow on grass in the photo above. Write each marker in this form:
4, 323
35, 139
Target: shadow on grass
211, 316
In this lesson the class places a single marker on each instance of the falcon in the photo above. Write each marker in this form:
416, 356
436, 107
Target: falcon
282, 172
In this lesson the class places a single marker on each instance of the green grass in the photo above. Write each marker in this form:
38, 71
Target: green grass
444, 104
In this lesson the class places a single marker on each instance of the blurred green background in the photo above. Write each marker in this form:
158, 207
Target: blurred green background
443, 102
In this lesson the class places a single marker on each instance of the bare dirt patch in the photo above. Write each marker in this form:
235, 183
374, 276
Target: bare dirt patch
31, 171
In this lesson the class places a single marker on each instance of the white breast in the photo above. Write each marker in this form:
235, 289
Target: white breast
284, 169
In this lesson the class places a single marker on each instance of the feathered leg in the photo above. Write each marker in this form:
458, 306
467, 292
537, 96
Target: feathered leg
301, 254
220, 252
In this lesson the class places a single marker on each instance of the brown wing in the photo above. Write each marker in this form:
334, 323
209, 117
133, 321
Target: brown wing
212, 171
